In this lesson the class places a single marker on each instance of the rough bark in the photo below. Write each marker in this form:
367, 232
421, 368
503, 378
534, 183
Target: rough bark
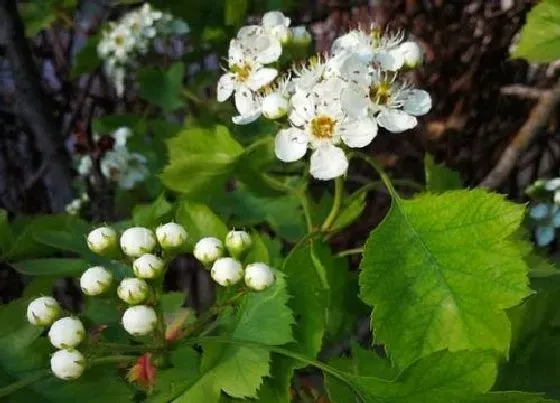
32, 107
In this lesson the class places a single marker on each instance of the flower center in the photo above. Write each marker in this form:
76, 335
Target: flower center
322, 127
119, 40
242, 71
380, 93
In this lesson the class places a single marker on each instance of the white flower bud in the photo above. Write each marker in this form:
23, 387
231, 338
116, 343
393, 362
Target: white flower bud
207, 250
67, 332
137, 241
412, 53
43, 311
95, 281
238, 242
132, 290
301, 35
259, 276
102, 240
171, 235
226, 271
139, 320
67, 364
274, 106
148, 266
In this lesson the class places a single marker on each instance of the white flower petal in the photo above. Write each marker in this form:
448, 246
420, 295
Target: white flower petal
358, 133
552, 184
303, 108
389, 60
412, 53
417, 103
395, 120
275, 18
290, 144
245, 101
267, 49
226, 85
261, 77
355, 101
249, 31
242, 120
236, 54
328, 162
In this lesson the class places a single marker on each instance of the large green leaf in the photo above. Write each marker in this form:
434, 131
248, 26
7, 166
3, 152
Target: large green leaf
440, 178
439, 272
153, 214
199, 222
510, 397
163, 88
540, 37
52, 267
441, 377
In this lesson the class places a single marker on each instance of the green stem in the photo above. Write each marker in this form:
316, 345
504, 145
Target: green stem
302, 196
124, 348
337, 202
350, 252
384, 177
112, 359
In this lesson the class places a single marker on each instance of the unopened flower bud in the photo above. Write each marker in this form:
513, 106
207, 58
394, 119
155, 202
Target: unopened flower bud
102, 240
137, 241
300, 35
43, 311
259, 276
226, 271
95, 281
67, 332
132, 290
238, 242
171, 235
139, 320
148, 266
412, 54
67, 364
207, 250
274, 106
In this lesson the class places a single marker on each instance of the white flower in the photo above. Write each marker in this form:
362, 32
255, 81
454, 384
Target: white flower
139, 320
43, 311
299, 34
137, 241
245, 77
95, 281
171, 235
126, 168
384, 101
73, 207
85, 165
238, 242
276, 25
67, 364
412, 53
320, 123
121, 136
275, 105
148, 266
208, 249
116, 43
226, 271
372, 47
67, 332
309, 74
132, 290
102, 240
259, 276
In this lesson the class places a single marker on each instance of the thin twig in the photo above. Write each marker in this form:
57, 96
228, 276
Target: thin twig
537, 119
522, 91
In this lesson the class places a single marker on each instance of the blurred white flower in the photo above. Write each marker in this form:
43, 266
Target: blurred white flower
299, 34
412, 53
126, 168
67, 364
139, 320
43, 311
85, 165
276, 25
73, 207
67, 332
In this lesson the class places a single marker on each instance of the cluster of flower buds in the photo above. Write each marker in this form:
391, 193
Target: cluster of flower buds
142, 245
546, 212
116, 162
124, 41
333, 101
65, 334
228, 270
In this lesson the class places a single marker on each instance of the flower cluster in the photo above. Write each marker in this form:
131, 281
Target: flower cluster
65, 334
75, 206
546, 212
124, 41
116, 162
228, 270
332, 101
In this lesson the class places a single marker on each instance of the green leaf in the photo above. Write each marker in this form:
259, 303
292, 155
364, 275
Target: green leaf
40, 15
172, 301
200, 161
163, 88
441, 377
200, 222
51, 267
235, 12
258, 251
440, 178
540, 36
439, 272
87, 59
510, 397
153, 214
352, 208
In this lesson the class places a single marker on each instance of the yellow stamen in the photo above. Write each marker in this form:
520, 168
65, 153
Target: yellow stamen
322, 127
